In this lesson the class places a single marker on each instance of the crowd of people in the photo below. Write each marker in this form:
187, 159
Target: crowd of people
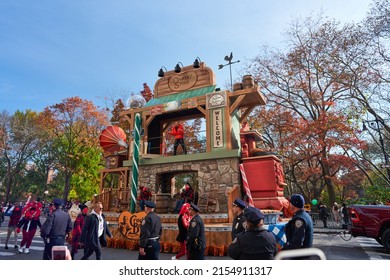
250, 239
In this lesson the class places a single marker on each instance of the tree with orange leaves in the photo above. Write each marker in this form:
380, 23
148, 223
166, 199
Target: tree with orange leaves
73, 128
309, 116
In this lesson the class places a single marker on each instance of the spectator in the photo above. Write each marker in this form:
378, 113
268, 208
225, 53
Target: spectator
94, 232
324, 215
336, 214
77, 229
344, 213
14, 218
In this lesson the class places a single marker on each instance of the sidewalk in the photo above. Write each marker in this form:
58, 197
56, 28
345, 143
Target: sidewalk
333, 227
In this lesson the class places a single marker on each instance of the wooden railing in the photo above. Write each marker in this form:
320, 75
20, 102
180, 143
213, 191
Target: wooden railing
113, 199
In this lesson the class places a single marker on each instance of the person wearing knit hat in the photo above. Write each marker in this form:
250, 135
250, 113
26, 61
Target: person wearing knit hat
238, 225
77, 229
299, 230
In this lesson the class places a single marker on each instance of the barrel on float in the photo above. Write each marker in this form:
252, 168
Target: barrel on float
162, 201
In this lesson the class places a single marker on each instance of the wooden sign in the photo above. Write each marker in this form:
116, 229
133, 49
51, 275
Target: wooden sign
183, 81
217, 128
130, 224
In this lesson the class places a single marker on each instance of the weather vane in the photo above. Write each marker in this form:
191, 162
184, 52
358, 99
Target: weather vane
229, 60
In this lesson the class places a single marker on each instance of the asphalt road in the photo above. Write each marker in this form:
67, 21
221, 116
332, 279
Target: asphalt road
331, 244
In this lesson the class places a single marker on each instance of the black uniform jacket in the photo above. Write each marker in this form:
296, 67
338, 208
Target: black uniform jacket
238, 225
196, 238
150, 228
253, 244
57, 224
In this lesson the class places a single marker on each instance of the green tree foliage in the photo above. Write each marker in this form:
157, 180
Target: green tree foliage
20, 138
73, 128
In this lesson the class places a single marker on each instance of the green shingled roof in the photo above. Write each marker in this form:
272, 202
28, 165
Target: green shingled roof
180, 96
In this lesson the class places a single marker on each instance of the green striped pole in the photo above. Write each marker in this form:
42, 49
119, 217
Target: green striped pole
134, 174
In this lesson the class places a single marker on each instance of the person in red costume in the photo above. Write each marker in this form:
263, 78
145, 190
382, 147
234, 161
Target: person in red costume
36, 204
145, 194
28, 224
183, 223
178, 132
77, 229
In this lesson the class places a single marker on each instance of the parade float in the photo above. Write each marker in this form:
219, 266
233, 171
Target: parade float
230, 165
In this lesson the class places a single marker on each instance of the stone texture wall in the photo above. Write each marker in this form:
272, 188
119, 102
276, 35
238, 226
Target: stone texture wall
215, 177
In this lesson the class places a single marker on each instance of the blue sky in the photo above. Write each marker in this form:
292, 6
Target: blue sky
51, 50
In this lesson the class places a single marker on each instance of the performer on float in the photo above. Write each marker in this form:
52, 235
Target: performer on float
178, 132
144, 195
183, 223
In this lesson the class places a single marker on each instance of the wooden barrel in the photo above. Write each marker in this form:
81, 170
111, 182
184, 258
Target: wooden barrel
248, 81
237, 86
162, 202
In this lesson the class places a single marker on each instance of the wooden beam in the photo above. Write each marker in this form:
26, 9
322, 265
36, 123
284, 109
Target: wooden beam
200, 108
236, 104
247, 112
149, 120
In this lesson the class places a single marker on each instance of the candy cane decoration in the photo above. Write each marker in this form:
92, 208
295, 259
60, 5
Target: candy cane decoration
246, 186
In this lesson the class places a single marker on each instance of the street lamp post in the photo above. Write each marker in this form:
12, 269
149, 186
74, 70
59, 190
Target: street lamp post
376, 125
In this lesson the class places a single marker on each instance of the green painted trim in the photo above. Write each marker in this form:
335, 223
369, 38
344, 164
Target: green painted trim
183, 158
180, 96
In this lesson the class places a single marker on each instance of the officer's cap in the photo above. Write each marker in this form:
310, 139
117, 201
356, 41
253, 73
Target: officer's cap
58, 201
297, 200
239, 203
253, 215
194, 207
150, 204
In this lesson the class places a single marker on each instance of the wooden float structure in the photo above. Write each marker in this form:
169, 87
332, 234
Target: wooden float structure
187, 95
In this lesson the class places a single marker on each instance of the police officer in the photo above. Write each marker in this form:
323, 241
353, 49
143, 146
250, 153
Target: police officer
55, 228
299, 230
151, 230
239, 218
196, 238
256, 243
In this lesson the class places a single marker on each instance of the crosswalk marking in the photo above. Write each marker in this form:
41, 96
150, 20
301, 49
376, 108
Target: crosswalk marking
36, 245
369, 246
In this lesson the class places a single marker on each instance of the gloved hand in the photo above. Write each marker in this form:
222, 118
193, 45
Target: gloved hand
18, 230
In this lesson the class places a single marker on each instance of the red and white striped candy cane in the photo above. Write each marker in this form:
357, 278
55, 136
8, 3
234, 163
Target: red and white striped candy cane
246, 186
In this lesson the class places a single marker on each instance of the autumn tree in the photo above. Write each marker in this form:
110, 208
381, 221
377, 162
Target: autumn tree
302, 85
73, 128
20, 138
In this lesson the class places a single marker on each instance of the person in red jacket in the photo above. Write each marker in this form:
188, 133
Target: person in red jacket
178, 132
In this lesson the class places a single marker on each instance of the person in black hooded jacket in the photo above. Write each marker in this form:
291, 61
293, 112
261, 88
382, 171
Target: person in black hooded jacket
94, 232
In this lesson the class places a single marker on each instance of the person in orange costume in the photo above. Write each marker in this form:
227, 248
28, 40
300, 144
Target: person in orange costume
178, 132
